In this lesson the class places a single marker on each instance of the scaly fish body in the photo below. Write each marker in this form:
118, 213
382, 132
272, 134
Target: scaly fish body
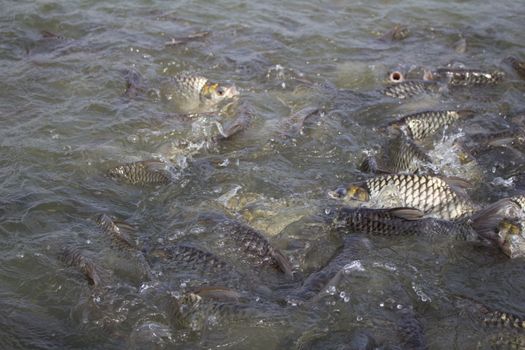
254, 243
400, 222
146, 172
422, 124
401, 154
410, 88
75, 257
430, 194
198, 311
194, 93
466, 77
121, 234
191, 258
118, 231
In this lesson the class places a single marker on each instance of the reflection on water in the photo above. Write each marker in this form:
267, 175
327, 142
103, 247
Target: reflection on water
81, 94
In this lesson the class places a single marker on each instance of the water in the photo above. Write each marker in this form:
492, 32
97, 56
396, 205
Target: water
64, 122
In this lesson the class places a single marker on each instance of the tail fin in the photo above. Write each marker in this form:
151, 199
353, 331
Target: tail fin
485, 222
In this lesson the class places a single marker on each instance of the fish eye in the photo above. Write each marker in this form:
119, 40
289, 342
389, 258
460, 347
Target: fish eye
220, 92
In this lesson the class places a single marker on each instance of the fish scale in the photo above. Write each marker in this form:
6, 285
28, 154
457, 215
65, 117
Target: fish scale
422, 124
400, 222
430, 194
191, 257
466, 77
142, 172
410, 88
255, 244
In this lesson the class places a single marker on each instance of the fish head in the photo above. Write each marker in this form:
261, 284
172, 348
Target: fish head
214, 93
511, 238
351, 192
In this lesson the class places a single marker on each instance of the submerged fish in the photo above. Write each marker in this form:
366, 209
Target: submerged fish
518, 65
436, 196
411, 88
400, 154
121, 234
507, 329
482, 142
145, 172
398, 32
75, 257
188, 257
199, 310
255, 244
196, 94
422, 124
118, 231
466, 77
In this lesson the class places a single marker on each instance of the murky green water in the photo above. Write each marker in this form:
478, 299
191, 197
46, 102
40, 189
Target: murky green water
64, 122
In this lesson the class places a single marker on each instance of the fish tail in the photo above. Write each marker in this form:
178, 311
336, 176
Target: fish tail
485, 222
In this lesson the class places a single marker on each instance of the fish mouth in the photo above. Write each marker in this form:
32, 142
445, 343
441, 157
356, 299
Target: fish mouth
396, 77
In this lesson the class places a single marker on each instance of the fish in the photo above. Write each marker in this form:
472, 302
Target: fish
121, 234
217, 293
118, 231
503, 223
440, 197
75, 257
134, 85
235, 126
200, 310
517, 64
509, 326
426, 123
313, 287
468, 77
410, 88
410, 222
254, 243
400, 154
187, 39
482, 142
196, 94
192, 258
144, 172
398, 32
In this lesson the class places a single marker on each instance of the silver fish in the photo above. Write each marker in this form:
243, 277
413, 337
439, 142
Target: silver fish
196, 94
440, 197
422, 124
400, 154
467, 77
411, 88
145, 172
